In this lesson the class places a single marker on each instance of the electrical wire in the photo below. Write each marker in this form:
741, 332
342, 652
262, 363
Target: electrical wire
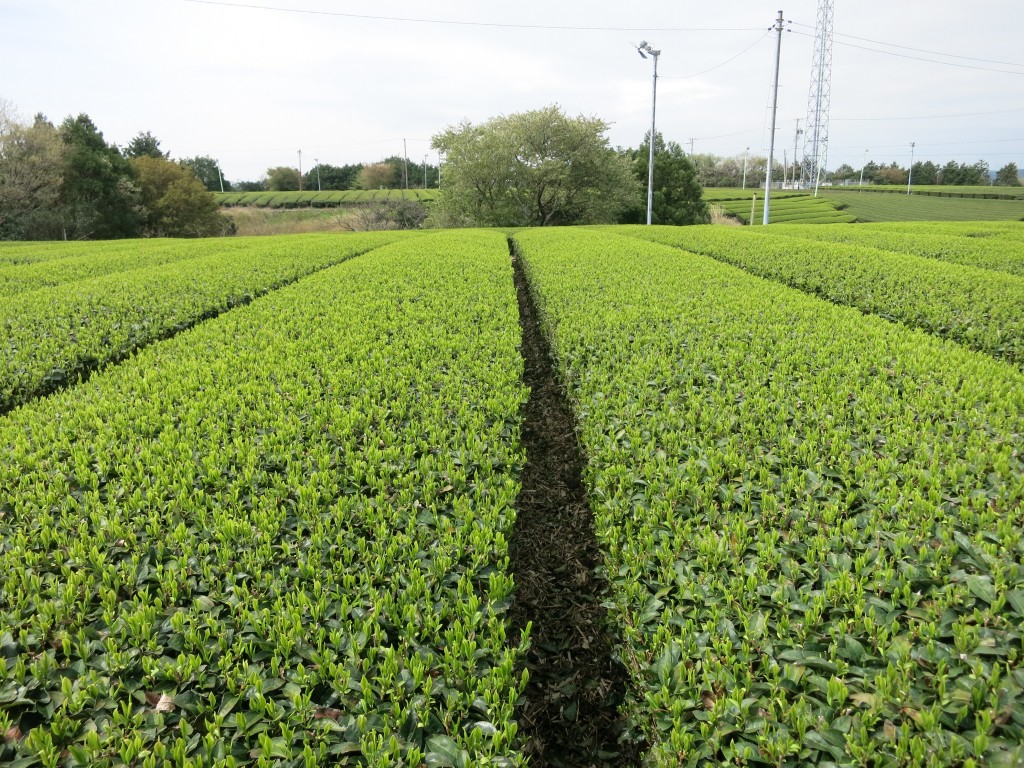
903, 56
470, 23
927, 117
918, 50
717, 66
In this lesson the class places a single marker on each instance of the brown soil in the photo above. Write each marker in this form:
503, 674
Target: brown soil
570, 715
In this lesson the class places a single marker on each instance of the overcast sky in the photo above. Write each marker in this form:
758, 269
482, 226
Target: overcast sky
347, 80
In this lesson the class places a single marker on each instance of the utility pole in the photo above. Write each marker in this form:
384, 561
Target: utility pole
775, 104
910, 173
796, 145
645, 46
219, 176
785, 168
745, 154
300, 170
316, 162
405, 166
691, 147
863, 163
424, 171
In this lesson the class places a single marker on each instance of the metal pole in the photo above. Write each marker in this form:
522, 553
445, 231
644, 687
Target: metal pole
424, 171
796, 144
910, 174
862, 164
221, 177
405, 166
300, 170
317, 163
747, 152
650, 158
771, 139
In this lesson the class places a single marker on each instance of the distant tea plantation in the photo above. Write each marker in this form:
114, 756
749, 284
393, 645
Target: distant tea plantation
258, 494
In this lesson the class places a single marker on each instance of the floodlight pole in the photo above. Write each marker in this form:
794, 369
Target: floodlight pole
641, 49
316, 161
910, 172
771, 138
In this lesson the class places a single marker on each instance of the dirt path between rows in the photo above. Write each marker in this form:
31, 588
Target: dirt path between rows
570, 718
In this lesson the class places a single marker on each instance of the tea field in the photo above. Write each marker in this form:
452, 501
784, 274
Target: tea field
257, 495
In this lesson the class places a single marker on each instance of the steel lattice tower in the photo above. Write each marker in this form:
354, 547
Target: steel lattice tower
819, 96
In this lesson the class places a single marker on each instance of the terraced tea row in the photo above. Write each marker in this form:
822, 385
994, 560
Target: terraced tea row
49, 337
987, 246
812, 519
786, 205
980, 308
279, 538
72, 262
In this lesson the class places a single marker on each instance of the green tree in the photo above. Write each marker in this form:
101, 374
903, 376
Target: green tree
282, 179
174, 202
333, 177
534, 168
208, 171
1008, 176
31, 173
845, 172
377, 176
144, 145
98, 198
871, 169
926, 172
676, 191
950, 173
891, 174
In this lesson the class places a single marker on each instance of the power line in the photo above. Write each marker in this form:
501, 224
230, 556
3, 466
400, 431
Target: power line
934, 144
717, 66
919, 50
927, 117
904, 56
470, 23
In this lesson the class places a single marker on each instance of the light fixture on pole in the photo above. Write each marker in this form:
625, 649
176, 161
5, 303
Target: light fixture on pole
317, 163
643, 49
910, 173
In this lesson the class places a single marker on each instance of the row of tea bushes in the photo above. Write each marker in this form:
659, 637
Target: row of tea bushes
50, 337
998, 246
55, 264
980, 308
812, 519
279, 538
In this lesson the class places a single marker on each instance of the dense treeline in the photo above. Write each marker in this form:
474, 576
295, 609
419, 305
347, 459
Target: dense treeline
749, 170
67, 183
